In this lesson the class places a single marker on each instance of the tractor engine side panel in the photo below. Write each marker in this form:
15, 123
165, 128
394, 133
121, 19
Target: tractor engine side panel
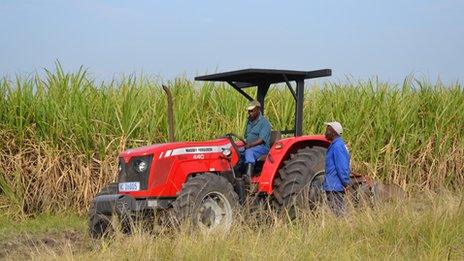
171, 168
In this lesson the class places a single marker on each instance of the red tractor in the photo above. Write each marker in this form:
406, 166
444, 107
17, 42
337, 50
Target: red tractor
198, 181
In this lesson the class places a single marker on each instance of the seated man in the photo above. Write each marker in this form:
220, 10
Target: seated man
257, 137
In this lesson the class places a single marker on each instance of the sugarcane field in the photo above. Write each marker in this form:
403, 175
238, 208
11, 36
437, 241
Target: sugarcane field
167, 131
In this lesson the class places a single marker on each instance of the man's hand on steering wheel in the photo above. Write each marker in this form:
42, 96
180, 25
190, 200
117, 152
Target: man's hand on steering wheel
255, 143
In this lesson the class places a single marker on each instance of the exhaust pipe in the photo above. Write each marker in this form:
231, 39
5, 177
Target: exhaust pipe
171, 135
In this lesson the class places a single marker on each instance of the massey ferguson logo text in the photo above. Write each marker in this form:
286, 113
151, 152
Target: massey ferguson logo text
199, 150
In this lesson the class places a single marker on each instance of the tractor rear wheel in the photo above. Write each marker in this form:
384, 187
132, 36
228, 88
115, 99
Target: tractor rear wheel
206, 202
100, 224
299, 183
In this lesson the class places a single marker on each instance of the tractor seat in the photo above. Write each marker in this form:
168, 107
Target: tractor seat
275, 136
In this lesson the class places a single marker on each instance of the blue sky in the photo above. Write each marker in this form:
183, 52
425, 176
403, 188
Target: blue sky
357, 39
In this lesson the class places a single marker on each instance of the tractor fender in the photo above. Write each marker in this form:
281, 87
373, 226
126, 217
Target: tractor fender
183, 170
281, 151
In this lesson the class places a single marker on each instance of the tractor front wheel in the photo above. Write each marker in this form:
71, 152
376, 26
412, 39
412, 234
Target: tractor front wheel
206, 202
100, 224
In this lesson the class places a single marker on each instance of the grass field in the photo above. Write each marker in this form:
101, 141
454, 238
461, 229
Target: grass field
429, 227
60, 136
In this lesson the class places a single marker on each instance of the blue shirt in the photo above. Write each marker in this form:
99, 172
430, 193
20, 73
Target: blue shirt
337, 166
259, 128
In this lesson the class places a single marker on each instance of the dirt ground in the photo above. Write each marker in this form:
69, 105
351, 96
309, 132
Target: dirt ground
26, 246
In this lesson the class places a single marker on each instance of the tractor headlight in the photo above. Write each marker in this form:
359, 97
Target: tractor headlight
119, 167
226, 152
140, 165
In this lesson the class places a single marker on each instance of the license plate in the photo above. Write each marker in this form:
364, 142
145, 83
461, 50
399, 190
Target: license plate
129, 186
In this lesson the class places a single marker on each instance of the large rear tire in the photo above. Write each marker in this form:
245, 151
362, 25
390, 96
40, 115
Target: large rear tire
299, 183
207, 202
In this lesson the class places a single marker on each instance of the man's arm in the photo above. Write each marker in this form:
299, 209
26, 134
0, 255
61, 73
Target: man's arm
342, 165
245, 131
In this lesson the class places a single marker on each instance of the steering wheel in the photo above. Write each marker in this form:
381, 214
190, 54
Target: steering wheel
230, 137
233, 135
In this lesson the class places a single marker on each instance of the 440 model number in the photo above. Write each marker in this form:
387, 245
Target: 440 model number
199, 156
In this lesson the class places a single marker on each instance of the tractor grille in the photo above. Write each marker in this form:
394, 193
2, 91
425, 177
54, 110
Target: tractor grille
129, 174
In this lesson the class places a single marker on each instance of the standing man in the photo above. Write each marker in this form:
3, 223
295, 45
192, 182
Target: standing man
337, 168
257, 137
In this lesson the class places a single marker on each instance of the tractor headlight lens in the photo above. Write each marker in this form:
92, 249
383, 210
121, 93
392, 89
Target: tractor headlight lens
226, 152
120, 167
140, 165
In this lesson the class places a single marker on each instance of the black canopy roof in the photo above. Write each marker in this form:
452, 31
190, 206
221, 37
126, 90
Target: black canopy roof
263, 78
254, 77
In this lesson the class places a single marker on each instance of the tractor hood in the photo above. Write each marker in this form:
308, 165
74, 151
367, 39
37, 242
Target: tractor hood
176, 147
141, 151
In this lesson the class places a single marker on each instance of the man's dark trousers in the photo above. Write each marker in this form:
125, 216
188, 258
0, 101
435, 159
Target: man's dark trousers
335, 200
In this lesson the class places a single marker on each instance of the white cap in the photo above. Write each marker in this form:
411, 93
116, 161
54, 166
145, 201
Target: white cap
253, 104
336, 126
